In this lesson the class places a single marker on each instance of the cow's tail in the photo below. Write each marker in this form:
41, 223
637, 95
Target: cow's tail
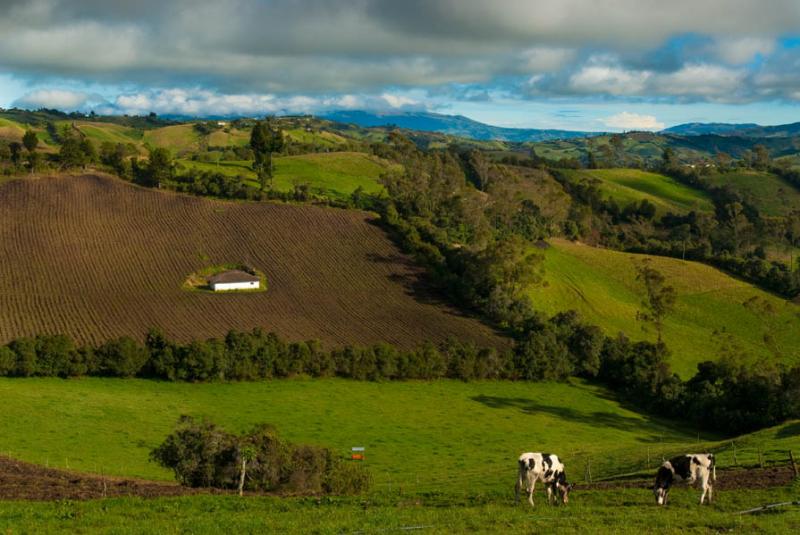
520, 479
713, 468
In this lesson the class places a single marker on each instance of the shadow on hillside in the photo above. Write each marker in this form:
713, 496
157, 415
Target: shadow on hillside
787, 431
594, 419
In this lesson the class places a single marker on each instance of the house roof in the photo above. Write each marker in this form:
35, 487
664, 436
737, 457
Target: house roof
233, 275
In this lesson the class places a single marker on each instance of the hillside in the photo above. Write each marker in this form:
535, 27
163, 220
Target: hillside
95, 258
772, 195
334, 174
633, 185
712, 308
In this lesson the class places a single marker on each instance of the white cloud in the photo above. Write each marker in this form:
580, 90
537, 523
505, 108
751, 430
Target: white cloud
600, 76
740, 50
702, 80
632, 121
54, 98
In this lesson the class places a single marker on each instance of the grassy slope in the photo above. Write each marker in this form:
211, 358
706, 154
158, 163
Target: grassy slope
415, 433
180, 138
769, 193
10, 130
601, 285
337, 173
108, 132
633, 185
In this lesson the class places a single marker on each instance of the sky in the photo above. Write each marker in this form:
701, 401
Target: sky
607, 65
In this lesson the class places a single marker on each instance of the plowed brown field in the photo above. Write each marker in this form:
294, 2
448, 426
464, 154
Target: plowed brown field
95, 258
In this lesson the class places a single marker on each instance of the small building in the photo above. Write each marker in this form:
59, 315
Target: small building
234, 279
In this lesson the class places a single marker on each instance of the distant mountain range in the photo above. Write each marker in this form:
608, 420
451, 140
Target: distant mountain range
456, 125
732, 129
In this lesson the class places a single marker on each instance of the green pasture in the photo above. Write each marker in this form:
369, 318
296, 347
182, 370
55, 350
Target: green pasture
629, 511
421, 436
626, 186
769, 193
334, 173
712, 307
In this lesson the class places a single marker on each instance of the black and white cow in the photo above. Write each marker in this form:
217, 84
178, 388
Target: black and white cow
546, 468
689, 468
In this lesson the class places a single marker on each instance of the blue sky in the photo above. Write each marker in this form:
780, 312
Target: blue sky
573, 64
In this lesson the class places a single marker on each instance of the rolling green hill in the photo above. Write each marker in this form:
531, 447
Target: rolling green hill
335, 173
769, 193
633, 185
180, 139
712, 307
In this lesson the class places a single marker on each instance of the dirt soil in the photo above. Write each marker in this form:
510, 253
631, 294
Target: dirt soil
25, 481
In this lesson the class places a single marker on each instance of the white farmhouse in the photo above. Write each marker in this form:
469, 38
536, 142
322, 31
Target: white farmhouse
234, 280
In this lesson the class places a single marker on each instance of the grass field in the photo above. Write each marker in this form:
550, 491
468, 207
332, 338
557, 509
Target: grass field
180, 139
10, 130
601, 285
107, 132
416, 433
336, 174
767, 192
102, 258
633, 185
442, 455
620, 512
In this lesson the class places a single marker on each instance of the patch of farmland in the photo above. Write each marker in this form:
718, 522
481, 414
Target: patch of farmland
633, 185
336, 174
180, 139
768, 192
712, 308
95, 258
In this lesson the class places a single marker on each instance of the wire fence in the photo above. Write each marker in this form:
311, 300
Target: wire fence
583, 467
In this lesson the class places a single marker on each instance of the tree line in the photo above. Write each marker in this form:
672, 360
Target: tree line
728, 395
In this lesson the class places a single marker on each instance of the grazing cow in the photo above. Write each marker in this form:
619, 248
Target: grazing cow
546, 468
689, 468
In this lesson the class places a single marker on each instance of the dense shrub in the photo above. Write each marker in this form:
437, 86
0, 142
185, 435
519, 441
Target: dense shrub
201, 454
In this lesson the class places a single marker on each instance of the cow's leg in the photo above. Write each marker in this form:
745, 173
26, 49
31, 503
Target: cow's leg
530, 492
705, 485
549, 495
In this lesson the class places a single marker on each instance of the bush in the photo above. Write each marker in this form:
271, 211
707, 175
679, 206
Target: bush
200, 454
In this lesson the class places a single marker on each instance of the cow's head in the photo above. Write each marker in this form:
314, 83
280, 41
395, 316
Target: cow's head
664, 478
562, 487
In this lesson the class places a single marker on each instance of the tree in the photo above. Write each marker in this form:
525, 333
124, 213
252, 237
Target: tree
30, 141
761, 158
15, 149
71, 154
159, 167
479, 166
668, 158
659, 298
265, 139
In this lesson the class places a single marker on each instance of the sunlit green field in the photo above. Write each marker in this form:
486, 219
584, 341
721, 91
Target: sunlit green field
711, 308
337, 174
416, 433
767, 192
626, 186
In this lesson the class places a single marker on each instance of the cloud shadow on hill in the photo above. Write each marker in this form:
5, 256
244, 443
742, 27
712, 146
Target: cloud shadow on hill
599, 419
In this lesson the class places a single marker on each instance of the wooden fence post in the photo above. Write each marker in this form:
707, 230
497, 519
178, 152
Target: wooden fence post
794, 464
